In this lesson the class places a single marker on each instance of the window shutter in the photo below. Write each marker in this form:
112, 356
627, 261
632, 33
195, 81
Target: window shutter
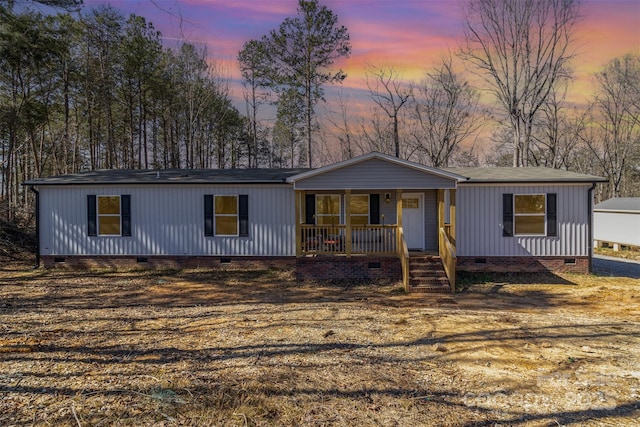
310, 209
243, 215
208, 214
125, 206
374, 209
92, 220
507, 214
552, 214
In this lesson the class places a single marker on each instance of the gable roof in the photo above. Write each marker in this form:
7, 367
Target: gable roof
522, 175
619, 204
171, 176
377, 156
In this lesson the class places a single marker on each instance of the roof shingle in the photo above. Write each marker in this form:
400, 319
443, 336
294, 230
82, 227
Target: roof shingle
524, 175
171, 176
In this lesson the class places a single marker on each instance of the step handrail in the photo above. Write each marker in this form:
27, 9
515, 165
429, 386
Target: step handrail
403, 253
448, 257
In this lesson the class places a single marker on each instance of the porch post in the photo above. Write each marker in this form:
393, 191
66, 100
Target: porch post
440, 198
452, 215
347, 221
398, 217
299, 195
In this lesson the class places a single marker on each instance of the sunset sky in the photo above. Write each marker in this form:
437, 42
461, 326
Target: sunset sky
409, 35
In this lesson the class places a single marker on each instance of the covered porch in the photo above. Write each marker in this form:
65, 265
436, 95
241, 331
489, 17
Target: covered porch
342, 211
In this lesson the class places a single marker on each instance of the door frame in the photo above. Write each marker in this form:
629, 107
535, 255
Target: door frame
421, 199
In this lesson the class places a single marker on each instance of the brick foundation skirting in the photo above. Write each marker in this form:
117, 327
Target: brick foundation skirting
370, 268
167, 262
523, 264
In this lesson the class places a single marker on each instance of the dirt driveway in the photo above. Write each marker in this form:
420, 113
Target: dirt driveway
256, 349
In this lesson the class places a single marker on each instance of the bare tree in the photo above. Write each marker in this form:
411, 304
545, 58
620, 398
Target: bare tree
522, 47
343, 125
376, 135
445, 111
390, 93
558, 133
616, 140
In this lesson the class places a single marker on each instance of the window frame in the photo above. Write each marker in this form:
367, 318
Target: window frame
517, 215
317, 214
99, 215
236, 215
367, 215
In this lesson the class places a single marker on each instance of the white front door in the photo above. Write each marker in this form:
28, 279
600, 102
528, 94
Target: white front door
413, 220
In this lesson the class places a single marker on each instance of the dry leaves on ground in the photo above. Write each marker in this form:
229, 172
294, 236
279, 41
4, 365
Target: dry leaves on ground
255, 348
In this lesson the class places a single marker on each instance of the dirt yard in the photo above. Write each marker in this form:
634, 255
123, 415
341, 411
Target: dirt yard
101, 348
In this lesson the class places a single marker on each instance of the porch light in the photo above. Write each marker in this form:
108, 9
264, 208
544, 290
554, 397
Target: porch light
387, 197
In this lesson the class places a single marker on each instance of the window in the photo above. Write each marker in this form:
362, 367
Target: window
529, 214
109, 215
226, 215
410, 203
327, 209
359, 209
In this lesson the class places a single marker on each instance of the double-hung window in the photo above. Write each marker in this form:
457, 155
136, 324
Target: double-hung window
327, 209
359, 209
226, 215
109, 215
529, 214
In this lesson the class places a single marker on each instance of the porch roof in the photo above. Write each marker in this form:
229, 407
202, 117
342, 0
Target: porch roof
375, 171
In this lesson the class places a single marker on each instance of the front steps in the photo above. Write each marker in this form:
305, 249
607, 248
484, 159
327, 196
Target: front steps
426, 274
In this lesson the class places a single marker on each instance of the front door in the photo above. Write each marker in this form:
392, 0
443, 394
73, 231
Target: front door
413, 220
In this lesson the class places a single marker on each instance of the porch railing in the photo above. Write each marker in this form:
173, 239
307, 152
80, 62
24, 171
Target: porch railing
448, 257
362, 239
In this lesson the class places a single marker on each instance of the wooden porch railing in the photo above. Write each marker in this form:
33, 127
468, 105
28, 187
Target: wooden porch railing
448, 257
364, 239
403, 253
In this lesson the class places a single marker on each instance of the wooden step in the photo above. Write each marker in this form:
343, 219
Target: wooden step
427, 275
430, 289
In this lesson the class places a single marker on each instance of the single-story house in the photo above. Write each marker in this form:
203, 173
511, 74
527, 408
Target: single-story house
373, 216
617, 221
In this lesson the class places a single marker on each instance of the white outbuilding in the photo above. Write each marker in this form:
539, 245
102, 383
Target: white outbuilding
617, 222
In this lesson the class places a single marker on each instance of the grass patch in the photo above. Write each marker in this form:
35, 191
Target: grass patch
626, 252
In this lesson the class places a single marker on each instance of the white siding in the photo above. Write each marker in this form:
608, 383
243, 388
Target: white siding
479, 222
617, 227
167, 220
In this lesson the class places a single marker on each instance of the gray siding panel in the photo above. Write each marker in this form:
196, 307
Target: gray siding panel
431, 220
168, 220
377, 174
479, 222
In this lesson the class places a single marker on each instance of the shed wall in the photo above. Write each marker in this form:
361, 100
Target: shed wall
617, 227
377, 174
167, 220
479, 222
